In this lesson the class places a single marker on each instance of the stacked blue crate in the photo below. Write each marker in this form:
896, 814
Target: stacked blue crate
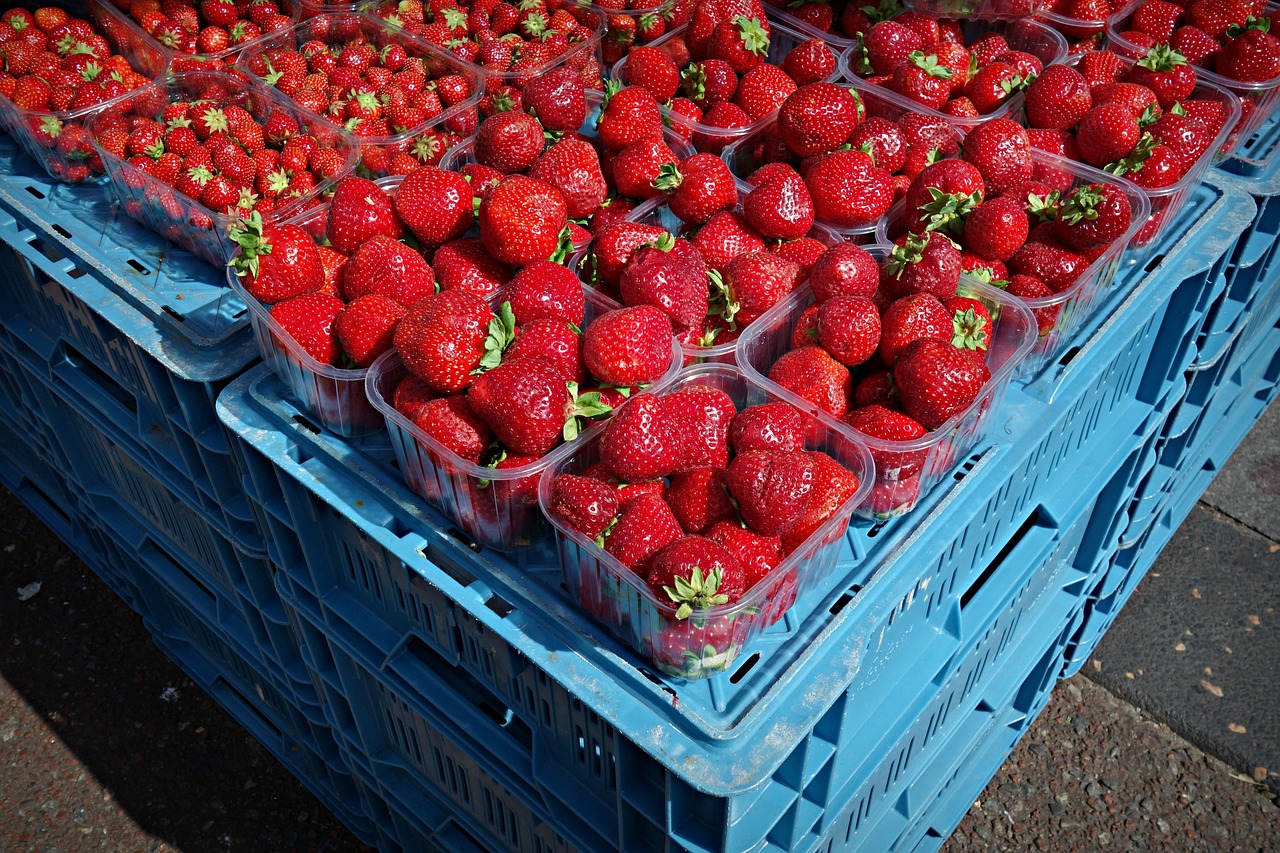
377, 579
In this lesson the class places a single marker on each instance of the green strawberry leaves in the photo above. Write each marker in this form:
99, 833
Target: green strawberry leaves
247, 233
910, 252
502, 331
1250, 23
1081, 205
696, 592
930, 65
1043, 209
721, 302
1162, 58
969, 330
584, 407
669, 178
752, 33
1132, 162
948, 211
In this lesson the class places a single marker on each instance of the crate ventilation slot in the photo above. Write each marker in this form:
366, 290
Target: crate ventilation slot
139, 266
35, 192
741, 672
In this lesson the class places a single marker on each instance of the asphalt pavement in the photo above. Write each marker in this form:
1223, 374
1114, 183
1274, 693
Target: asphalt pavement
1168, 740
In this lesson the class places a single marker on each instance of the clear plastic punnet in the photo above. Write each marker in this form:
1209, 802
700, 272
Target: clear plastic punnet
497, 507
181, 218
1258, 99
907, 470
1059, 315
710, 640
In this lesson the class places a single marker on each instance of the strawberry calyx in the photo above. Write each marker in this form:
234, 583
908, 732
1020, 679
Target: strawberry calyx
502, 331
454, 18
697, 591
984, 275
613, 87
752, 33
564, 246
1162, 58
861, 60
910, 252
948, 211
669, 178
694, 80
969, 330
721, 302
1250, 23
1150, 114
930, 65
1043, 208
493, 456
1082, 205
51, 126
1015, 83
249, 235
664, 242
587, 406
1132, 162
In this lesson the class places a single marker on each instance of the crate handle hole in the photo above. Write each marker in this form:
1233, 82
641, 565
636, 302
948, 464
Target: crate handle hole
500, 606
843, 601
741, 672
976, 587
1154, 262
35, 192
1069, 356
140, 267
62, 231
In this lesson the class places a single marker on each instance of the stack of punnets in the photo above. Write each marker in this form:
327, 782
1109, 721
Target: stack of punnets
439, 693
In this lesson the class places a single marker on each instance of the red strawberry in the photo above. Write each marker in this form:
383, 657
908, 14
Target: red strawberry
700, 499
652, 68
886, 45
753, 283
773, 488
359, 210
724, 237
528, 406
1106, 134
1058, 98
1165, 71
554, 341
521, 220
1252, 54
389, 268
694, 573
436, 205
451, 422
308, 319
642, 441
812, 374
742, 42
834, 486
849, 328
637, 167
509, 142
811, 61
923, 264
886, 424
698, 188
446, 336
668, 274
366, 327
942, 194
584, 504
992, 86
1093, 216
557, 99
767, 426
971, 322
757, 553
780, 208
464, 265
937, 381
911, 318
644, 526
844, 269
923, 79
275, 262
572, 166
628, 115
1001, 150
997, 228
848, 189
818, 117
544, 290
704, 414
628, 346
1046, 259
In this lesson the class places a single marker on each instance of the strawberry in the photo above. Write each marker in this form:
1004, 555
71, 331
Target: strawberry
1195, 44
709, 83
1001, 151
446, 337
922, 79
923, 264
812, 374
554, 341
694, 573
275, 262
644, 526
699, 499
545, 290
308, 319
628, 346
705, 414
1052, 263
742, 42
848, 327
435, 205
886, 45
1156, 18
1093, 216
757, 553
920, 315
583, 504
410, 393
1251, 54
614, 245
572, 166
890, 425
452, 422
637, 167
643, 440
1106, 134
971, 323
773, 488
767, 426
653, 69
509, 142
698, 188
366, 326
1166, 73
780, 208
937, 381
628, 115
848, 189
358, 210
1058, 98
521, 220
670, 278
528, 406
724, 237
557, 99
997, 228
810, 62
834, 486
463, 264
818, 117
993, 85
844, 269
389, 268
753, 283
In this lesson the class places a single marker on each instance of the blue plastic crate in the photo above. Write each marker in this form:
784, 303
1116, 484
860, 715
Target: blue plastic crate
150, 325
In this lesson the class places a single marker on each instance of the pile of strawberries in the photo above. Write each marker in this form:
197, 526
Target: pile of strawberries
703, 502
54, 64
1138, 121
202, 144
1229, 37
348, 69
205, 27
842, 18
928, 61
715, 76
500, 37
637, 22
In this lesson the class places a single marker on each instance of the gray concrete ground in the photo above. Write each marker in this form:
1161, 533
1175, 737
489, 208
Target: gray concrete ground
99, 754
